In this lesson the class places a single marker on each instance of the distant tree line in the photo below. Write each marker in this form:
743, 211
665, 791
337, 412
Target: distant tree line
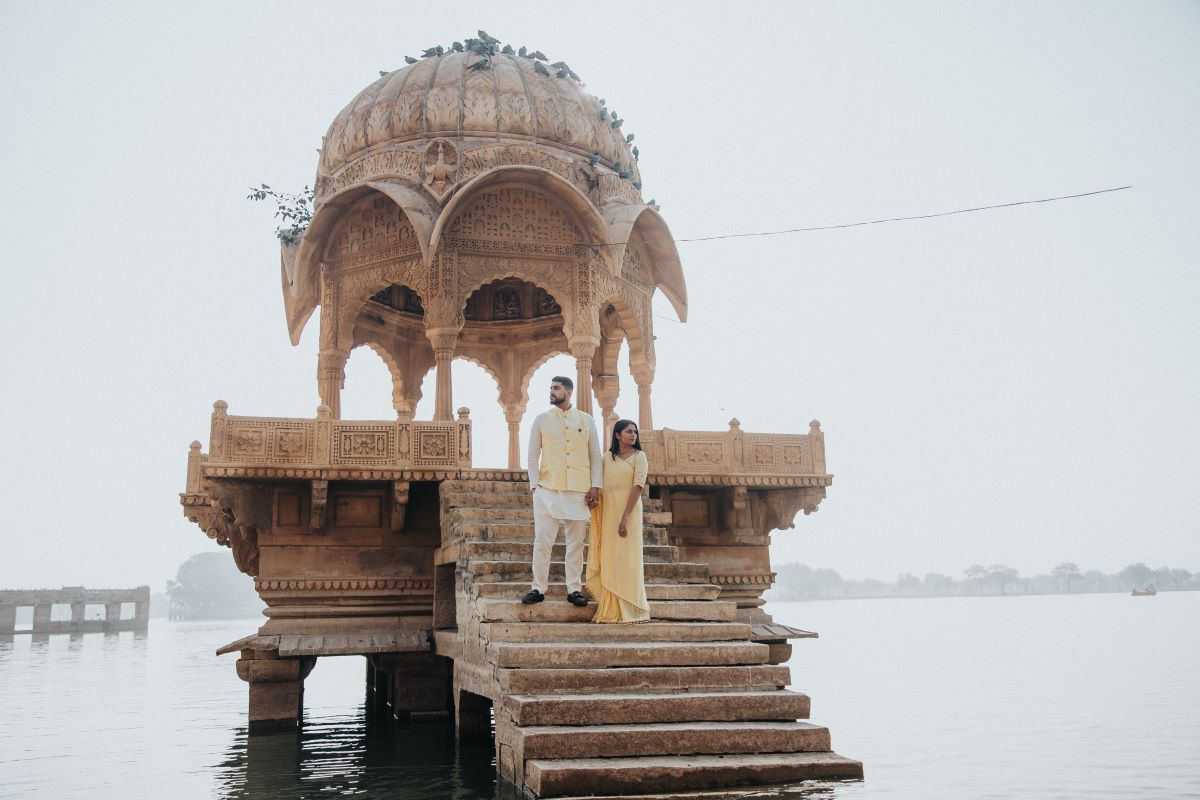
210, 586
802, 582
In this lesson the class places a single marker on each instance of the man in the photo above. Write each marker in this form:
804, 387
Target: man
565, 473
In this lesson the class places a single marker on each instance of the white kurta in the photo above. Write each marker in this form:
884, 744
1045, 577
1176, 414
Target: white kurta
560, 509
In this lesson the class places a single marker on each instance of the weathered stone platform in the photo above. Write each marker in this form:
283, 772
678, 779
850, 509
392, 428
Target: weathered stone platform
77, 598
688, 700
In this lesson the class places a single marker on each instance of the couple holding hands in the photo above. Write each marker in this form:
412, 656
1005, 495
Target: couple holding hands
574, 481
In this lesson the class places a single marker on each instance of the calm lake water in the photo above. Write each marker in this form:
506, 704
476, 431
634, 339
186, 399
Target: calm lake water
1090, 696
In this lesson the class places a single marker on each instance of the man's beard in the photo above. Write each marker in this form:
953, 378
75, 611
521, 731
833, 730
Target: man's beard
557, 401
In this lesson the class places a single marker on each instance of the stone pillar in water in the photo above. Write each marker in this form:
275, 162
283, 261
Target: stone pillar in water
41, 617
276, 689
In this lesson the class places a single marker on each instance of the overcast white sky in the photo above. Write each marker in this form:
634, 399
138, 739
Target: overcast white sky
1017, 386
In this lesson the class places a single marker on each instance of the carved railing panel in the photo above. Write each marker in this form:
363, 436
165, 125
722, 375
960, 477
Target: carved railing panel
326, 442
772, 458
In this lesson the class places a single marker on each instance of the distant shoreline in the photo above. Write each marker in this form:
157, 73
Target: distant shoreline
772, 596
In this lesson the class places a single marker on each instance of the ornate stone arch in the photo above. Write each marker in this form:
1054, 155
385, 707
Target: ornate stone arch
633, 226
300, 266
592, 224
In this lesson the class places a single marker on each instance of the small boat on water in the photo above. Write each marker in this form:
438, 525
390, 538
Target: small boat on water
1149, 591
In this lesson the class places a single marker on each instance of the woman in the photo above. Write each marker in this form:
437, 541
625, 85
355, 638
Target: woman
614, 573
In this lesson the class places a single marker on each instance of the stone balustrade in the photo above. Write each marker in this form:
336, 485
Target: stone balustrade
735, 457
350, 449
237, 445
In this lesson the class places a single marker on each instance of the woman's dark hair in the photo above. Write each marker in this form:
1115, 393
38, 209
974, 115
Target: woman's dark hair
622, 424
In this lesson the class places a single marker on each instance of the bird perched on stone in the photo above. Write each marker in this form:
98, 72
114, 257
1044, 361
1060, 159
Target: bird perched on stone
507, 50
383, 72
618, 123
489, 39
457, 47
594, 159
635, 152
539, 69
637, 185
614, 115
433, 51
628, 138
624, 174
409, 60
539, 55
523, 52
480, 64
617, 167
562, 73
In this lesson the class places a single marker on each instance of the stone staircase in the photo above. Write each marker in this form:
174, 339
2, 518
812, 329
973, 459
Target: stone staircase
681, 704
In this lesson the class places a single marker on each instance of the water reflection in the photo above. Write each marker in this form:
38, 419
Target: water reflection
352, 755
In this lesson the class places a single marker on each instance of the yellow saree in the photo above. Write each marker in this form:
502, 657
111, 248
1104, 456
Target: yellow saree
614, 570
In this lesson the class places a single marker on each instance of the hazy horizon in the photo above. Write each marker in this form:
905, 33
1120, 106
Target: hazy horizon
1016, 386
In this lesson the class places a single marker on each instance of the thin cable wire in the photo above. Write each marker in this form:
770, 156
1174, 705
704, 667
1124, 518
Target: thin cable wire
886, 219
871, 221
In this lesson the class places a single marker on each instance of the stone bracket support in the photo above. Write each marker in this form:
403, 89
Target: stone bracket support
320, 496
399, 504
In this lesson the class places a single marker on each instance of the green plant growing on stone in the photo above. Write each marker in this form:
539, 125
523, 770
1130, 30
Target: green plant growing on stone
294, 211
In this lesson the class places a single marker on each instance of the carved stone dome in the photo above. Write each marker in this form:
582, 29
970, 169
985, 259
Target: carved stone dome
445, 117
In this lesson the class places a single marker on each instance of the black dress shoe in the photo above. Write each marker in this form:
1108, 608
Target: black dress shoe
534, 596
577, 599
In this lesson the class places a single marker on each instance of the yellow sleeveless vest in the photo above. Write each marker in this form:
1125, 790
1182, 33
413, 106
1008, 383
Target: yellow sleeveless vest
564, 464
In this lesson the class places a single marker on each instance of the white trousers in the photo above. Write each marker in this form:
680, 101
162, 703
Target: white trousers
545, 534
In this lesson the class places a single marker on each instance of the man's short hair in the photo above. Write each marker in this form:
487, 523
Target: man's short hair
566, 382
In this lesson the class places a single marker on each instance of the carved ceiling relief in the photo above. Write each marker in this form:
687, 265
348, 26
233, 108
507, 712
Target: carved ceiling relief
634, 267
551, 281
515, 214
373, 228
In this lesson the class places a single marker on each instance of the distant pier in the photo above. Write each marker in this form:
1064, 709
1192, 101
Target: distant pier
77, 598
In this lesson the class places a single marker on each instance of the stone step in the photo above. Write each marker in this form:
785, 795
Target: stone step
568, 656
673, 739
523, 551
584, 634
524, 512
592, 776
520, 514
559, 611
517, 531
643, 679
486, 500
473, 486
653, 572
515, 590
627, 708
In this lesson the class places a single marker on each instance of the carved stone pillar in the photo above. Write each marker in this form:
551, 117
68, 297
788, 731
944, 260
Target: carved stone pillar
512, 415
608, 389
583, 348
112, 615
331, 378
443, 341
276, 689
8, 618
645, 419
77, 612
